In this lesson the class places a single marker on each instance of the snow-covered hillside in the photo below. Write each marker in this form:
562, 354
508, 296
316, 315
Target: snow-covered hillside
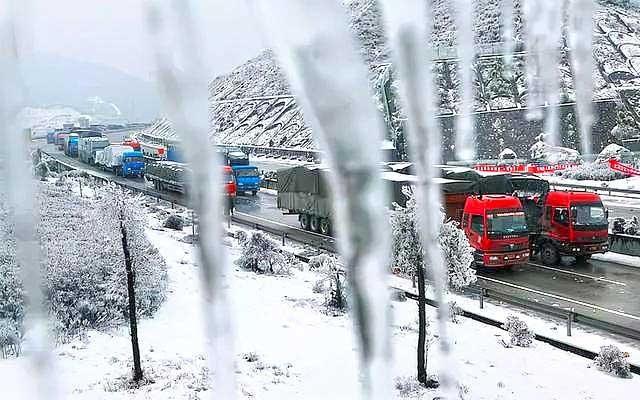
288, 347
238, 117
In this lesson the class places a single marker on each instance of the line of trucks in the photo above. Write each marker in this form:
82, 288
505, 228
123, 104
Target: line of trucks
508, 218
155, 163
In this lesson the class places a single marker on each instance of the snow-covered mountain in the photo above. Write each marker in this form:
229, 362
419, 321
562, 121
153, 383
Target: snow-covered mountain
253, 104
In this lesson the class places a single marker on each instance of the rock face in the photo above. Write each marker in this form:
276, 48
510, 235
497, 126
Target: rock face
253, 104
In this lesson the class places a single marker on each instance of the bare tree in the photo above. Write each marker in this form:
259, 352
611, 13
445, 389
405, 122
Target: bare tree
133, 322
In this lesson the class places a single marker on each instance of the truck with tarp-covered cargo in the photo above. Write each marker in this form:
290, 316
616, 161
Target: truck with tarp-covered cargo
558, 223
89, 146
304, 190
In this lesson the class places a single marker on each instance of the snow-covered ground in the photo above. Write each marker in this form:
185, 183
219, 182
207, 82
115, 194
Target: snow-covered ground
288, 348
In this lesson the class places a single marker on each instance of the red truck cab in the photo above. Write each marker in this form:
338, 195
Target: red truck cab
497, 230
574, 224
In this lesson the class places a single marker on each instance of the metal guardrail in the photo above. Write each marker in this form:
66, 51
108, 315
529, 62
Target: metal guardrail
279, 152
329, 244
543, 338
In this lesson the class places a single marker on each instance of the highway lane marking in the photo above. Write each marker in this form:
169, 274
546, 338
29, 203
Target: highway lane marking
595, 278
561, 298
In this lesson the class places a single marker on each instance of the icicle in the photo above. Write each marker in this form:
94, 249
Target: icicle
543, 20
581, 42
465, 141
21, 198
508, 33
185, 96
408, 28
314, 44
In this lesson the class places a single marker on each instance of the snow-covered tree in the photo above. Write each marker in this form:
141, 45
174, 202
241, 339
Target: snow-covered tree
85, 281
550, 155
625, 127
262, 254
458, 255
407, 252
332, 281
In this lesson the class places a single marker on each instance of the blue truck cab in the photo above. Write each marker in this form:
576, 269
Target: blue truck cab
132, 163
71, 145
51, 136
247, 178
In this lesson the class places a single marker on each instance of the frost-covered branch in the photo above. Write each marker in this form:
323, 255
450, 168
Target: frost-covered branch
324, 68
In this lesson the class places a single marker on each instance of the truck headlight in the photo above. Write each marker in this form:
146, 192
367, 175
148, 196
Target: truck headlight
493, 258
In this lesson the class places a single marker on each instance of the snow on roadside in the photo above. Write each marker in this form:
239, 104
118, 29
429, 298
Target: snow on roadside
582, 337
287, 348
617, 258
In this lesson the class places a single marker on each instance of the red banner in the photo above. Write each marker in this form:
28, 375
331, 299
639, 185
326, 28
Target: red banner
624, 168
534, 169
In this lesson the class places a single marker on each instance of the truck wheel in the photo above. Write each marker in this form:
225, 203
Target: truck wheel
254, 192
325, 226
315, 224
304, 221
549, 254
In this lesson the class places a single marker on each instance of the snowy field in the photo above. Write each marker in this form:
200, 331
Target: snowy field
288, 348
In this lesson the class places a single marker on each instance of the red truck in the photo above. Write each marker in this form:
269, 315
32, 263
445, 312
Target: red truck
497, 230
557, 223
573, 224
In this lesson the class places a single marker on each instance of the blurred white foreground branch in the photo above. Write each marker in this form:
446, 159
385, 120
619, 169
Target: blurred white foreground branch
313, 42
186, 100
407, 28
20, 184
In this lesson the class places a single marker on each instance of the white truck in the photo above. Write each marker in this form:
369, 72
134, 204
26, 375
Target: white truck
110, 158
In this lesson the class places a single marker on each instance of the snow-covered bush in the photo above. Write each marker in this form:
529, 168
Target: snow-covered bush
174, 222
626, 226
550, 155
454, 312
519, 332
407, 251
591, 172
332, 281
613, 361
322, 263
262, 254
408, 387
614, 152
507, 154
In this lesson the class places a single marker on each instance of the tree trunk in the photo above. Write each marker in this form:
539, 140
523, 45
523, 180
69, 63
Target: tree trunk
338, 292
133, 323
422, 326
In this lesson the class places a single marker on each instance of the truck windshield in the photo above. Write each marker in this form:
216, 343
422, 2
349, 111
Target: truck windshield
228, 177
247, 172
133, 159
588, 215
506, 223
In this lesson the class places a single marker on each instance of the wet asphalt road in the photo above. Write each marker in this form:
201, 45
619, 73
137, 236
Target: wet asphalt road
610, 286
